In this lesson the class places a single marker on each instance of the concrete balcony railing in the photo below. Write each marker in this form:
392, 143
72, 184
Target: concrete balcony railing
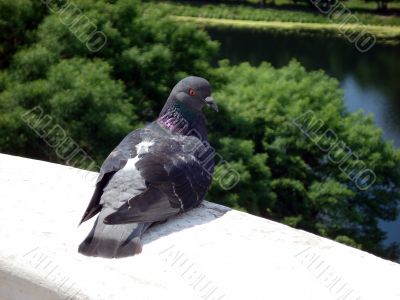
212, 252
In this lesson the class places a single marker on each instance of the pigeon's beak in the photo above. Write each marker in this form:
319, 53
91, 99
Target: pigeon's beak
210, 103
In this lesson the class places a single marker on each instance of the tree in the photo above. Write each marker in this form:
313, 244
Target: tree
381, 4
293, 175
80, 100
17, 20
97, 96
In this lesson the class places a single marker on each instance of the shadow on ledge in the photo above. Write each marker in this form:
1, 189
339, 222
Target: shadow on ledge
204, 213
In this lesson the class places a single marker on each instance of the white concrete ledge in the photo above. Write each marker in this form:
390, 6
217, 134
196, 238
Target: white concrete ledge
209, 253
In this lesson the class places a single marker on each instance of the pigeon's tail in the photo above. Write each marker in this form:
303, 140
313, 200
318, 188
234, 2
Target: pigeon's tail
113, 241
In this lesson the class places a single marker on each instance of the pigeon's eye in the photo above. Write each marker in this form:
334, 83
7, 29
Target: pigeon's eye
192, 92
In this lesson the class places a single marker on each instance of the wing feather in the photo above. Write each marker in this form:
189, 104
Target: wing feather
176, 182
150, 206
175, 178
115, 161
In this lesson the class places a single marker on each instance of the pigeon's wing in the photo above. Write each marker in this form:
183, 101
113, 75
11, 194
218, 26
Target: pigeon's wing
176, 181
152, 205
114, 162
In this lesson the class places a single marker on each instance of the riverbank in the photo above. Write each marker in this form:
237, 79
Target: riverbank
386, 28
271, 13
387, 34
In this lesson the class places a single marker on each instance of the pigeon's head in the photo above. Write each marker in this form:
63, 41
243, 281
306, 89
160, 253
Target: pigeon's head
193, 93
183, 110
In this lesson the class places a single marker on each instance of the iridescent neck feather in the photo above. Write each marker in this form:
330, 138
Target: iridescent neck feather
178, 119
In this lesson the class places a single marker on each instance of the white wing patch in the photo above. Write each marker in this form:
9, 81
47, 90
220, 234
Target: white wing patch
141, 148
127, 182
130, 164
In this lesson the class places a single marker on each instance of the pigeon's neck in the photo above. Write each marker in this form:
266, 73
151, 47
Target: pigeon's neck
178, 119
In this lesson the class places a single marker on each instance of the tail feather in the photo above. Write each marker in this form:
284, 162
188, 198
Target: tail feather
113, 241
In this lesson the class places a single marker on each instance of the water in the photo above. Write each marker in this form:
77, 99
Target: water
371, 80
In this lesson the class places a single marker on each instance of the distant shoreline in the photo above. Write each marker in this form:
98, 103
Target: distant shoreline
384, 34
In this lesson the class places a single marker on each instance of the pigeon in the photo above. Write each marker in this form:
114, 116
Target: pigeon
156, 172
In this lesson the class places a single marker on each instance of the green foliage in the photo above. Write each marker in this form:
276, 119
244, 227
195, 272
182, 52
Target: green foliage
96, 96
381, 4
347, 241
284, 174
17, 19
245, 12
75, 94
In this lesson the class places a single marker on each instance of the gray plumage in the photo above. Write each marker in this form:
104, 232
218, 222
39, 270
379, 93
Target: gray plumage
154, 173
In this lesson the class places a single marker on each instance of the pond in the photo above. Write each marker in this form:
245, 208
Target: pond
370, 80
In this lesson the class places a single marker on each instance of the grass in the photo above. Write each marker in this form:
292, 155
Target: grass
385, 28
278, 13
370, 6
382, 33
